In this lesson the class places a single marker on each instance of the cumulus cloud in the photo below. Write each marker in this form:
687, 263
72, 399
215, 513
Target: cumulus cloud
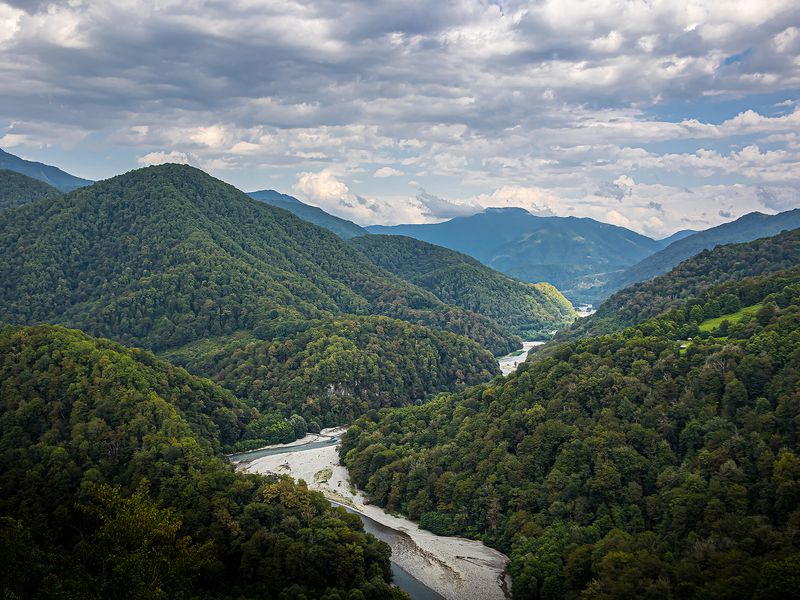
540, 103
161, 157
386, 172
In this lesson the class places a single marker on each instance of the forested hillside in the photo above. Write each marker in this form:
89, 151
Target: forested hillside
342, 227
334, 371
744, 229
636, 465
167, 255
692, 277
111, 486
16, 189
569, 252
529, 310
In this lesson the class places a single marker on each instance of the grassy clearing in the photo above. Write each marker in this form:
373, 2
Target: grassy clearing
712, 324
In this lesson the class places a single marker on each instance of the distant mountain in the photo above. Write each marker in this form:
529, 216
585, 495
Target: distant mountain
17, 189
678, 235
692, 277
343, 228
744, 229
531, 310
569, 252
47, 173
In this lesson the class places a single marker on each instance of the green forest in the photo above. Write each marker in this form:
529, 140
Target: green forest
531, 310
17, 189
657, 462
689, 279
172, 260
112, 487
167, 255
333, 371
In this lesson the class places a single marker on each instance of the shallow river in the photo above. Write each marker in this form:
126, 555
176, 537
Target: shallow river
404, 580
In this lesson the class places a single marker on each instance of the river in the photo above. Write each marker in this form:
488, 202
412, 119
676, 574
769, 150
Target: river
426, 566
510, 362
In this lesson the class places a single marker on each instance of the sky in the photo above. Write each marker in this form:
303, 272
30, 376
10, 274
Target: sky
655, 115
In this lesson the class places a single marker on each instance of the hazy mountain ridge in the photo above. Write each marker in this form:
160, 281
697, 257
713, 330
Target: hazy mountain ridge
744, 229
54, 176
342, 227
559, 250
692, 277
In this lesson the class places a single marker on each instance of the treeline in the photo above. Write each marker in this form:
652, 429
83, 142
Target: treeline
689, 279
532, 311
111, 487
639, 464
333, 371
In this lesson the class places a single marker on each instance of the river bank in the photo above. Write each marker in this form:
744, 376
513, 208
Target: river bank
455, 568
510, 362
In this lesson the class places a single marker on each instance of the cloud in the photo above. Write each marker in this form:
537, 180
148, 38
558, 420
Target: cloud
387, 172
159, 158
439, 208
540, 103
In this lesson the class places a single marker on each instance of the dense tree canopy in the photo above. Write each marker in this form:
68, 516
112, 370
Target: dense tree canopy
332, 372
166, 255
17, 189
640, 464
691, 278
531, 310
111, 487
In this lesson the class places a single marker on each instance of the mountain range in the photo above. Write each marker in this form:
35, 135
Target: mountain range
170, 259
744, 229
54, 176
562, 251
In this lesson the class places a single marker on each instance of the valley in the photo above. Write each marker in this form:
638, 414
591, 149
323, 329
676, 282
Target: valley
452, 568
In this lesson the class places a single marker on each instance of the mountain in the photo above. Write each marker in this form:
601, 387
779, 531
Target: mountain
635, 465
692, 277
343, 228
569, 252
112, 486
49, 174
167, 257
678, 235
17, 189
744, 229
529, 310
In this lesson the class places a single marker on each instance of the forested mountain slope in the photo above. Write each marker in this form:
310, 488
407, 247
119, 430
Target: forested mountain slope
333, 371
690, 278
744, 229
17, 189
633, 465
342, 227
111, 486
564, 251
530, 310
166, 255
51, 175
